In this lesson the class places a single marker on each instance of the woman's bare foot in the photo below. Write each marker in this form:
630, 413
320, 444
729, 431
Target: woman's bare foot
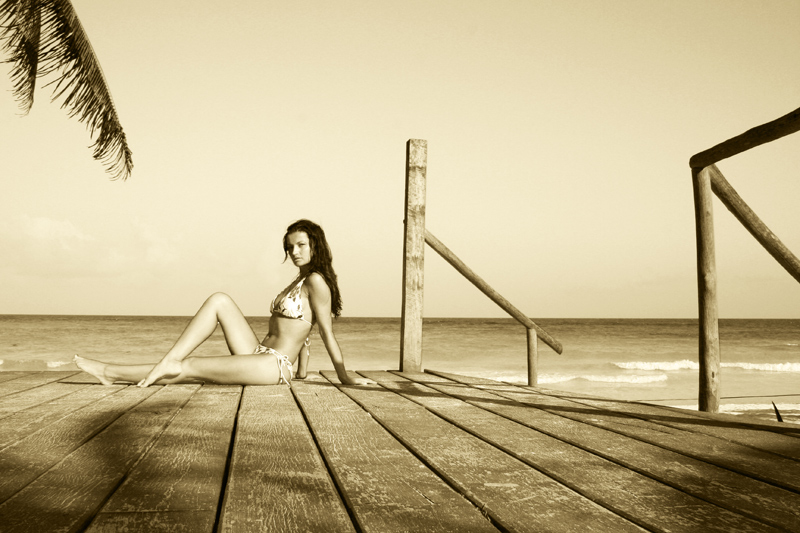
165, 369
95, 368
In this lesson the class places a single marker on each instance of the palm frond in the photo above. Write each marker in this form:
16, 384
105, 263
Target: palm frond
63, 48
20, 23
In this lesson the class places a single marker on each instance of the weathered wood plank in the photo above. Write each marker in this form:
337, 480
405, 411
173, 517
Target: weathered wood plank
66, 497
514, 495
12, 374
755, 437
277, 479
30, 381
23, 423
751, 422
184, 469
384, 485
748, 461
734, 492
19, 401
156, 522
27, 459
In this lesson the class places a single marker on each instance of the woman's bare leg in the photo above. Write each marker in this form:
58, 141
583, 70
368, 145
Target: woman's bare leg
232, 369
220, 309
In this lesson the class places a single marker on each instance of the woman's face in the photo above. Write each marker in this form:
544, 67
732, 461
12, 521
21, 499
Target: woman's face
298, 247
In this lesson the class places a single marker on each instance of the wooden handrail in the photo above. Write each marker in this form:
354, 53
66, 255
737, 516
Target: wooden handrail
708, 180
731, 199
486, 289
759, 135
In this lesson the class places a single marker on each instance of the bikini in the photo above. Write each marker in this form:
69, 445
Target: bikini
290, 306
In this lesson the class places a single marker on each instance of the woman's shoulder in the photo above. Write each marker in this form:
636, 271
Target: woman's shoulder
316, 282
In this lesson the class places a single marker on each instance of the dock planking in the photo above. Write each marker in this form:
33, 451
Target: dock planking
414, 452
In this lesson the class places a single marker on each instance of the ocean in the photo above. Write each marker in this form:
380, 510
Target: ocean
652, 360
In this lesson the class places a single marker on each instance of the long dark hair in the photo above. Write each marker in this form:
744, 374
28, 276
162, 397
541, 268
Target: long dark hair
321, 258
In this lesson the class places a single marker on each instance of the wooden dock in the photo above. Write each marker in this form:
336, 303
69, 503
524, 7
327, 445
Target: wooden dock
417, 452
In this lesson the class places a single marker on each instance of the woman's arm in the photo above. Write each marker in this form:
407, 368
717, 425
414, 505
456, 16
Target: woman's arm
319, 296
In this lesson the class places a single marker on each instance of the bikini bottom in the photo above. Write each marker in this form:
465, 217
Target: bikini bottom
281, 359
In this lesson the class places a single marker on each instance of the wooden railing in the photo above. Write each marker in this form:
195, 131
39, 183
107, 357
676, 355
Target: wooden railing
413, 273
707, 178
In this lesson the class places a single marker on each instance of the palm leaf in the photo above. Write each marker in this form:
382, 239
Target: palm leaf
46, 37
20, 24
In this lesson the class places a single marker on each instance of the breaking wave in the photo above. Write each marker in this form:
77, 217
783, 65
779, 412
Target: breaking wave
692, 365
562, 378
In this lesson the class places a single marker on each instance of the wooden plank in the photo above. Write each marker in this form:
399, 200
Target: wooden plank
166, 521
749, 421
277, 479
413, 256
708, 397
184, 469
785, 125
755, 437
68, 495
736, 493
748, 461
384, 485
12, 374
516, 496
27, 459
19, 401
23, 423
30, 381
486, 289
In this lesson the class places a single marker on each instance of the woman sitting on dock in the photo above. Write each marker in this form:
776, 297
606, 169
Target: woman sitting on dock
311, 298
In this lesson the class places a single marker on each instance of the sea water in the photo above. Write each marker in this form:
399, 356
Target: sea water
649, 360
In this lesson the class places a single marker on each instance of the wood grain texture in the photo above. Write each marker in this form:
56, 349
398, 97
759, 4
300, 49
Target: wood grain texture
515, 496
70, 493
13, 374
184, 469
709, 356
19, 401
385, 486
650, 504
155, 522
27, 459
277, 479
413, 256
771, 131
30, 381
22, 423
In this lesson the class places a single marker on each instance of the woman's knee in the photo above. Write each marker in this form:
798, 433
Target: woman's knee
219, 300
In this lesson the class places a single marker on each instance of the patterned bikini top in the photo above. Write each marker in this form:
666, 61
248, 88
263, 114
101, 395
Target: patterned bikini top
291, 305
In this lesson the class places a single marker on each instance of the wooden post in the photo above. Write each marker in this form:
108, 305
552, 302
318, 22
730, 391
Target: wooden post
413, 257
708, 399
533, 358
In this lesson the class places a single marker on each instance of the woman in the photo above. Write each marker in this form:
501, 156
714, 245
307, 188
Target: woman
311, 298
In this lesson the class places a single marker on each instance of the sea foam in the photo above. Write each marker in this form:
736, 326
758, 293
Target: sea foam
562, 378
692, 365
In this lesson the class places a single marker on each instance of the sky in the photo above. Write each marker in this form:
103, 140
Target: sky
559, 135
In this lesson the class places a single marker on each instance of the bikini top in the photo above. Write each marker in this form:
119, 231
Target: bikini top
291, 305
